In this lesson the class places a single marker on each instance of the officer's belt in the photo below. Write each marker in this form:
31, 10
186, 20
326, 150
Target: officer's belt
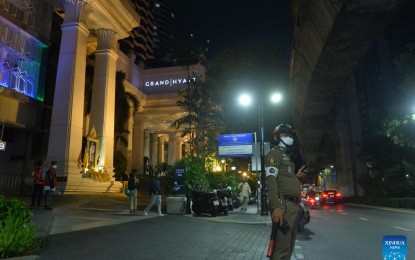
292, 198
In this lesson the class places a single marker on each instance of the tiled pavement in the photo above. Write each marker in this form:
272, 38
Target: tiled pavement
99, 226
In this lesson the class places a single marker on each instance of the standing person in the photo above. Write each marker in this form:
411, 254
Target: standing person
155, 193
38, 184
133, 187
284, 189
244, 194
124, 180
50, 184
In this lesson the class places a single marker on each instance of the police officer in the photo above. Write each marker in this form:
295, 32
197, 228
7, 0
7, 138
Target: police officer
284, 189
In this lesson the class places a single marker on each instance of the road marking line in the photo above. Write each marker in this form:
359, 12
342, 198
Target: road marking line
364, 219
299, 256
344, 213
297, 247
401, 228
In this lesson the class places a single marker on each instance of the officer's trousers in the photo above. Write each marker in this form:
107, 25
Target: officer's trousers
285, 242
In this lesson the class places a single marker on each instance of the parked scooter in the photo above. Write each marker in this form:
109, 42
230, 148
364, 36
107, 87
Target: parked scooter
252, 199
206, 202
226, 198
236, 201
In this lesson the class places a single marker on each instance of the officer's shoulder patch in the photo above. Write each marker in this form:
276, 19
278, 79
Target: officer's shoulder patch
272, 161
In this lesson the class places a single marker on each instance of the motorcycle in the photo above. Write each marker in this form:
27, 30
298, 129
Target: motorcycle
225, 199
207, 202
312, 200
314, 203
236, 201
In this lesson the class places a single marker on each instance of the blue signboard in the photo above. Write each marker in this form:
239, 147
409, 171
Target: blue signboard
179, 181
235, 145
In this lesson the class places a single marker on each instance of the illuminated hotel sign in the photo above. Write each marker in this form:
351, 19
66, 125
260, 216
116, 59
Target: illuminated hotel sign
168, 82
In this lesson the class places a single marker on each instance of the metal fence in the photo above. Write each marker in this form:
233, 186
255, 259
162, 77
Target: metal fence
10, 183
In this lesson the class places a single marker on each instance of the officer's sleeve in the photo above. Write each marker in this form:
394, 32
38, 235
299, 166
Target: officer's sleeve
271, 181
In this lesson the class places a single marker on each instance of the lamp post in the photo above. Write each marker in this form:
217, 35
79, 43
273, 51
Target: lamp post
246, 100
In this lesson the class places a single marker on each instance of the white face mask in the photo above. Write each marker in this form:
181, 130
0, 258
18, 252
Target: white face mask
54, 166
287, 140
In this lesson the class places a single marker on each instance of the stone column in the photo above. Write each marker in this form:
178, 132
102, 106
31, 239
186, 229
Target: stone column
131, 66
138, 143
130, 140
154, 149
103, 95
66, 130
179, 148
172, 153
160, 154
147, 143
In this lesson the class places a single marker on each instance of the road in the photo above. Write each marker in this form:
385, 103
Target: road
353, 232
92, 228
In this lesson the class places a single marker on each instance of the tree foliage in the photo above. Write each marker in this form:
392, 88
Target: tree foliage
210, 105
196, 174
401, 131
390, 156
202, 121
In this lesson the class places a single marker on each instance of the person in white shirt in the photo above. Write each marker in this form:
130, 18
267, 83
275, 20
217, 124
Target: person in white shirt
244, 194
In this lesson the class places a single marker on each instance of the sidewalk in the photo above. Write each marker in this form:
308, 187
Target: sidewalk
118, 203
48, 220
77, 212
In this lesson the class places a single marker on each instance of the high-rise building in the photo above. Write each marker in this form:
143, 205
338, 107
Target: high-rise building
140, 41
162, 36
151, 42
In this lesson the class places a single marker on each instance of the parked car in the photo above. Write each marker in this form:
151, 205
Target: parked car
330, 196
312, 199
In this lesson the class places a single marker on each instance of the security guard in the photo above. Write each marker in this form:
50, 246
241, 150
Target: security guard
284, 189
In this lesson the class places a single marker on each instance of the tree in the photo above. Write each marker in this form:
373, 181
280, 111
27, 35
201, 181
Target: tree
400, 125
390, 154
203, 119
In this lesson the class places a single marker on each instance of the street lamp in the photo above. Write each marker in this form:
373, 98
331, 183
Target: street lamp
246, 99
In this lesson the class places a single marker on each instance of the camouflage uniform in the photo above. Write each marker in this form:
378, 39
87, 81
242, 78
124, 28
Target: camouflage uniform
283, 190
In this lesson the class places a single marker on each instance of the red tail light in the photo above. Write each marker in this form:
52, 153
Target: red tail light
325, 195
338, 194
312, 201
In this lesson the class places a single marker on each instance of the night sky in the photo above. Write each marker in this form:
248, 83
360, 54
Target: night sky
226, 23
229, 23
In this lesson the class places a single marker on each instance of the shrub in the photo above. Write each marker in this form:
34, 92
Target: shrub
17, 234
221, 180
195, 174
